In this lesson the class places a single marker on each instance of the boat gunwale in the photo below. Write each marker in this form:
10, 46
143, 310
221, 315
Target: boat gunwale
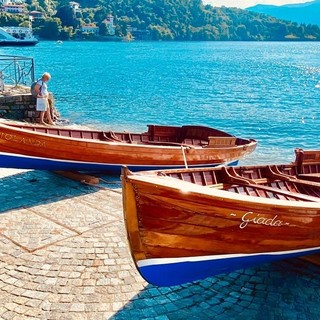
17, 128
185, 187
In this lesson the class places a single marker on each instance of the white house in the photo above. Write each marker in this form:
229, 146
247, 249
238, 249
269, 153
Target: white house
90, 29
13, 8
74, 5
36, 15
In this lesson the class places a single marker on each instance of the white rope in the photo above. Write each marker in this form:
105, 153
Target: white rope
184, 157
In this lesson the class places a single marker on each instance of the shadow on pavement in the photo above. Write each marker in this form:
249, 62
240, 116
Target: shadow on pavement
30, 188
283, 290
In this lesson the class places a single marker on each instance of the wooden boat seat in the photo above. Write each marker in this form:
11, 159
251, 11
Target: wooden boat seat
309, 176
276, 183
109, 136
270, 192
124, 137
173, 144
139, 138
195, 142
264, 181
157, 132
157, 138
310, 179
190, 135
257, 178
307, 162
309, 168
221, 142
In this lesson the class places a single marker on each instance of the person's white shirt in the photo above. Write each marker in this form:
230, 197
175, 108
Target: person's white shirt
43, 88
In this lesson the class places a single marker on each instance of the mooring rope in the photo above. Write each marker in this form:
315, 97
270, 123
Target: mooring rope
184, 157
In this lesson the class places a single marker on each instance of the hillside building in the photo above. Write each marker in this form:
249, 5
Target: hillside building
109, 25
36, 14
74, 5
13, 8
90, 29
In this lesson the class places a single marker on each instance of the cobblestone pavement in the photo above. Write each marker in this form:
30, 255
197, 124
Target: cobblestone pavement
64, 255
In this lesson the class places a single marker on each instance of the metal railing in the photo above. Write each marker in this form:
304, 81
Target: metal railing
16, 70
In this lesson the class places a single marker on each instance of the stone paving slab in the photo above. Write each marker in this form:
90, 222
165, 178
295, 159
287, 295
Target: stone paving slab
87, 216
31, 231
85, 270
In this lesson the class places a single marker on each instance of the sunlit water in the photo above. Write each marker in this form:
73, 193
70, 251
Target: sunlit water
264, 90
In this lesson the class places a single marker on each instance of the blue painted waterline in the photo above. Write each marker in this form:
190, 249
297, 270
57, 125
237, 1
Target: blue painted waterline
19, 161
176, 271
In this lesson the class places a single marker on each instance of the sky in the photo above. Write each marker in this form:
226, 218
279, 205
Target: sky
249, 3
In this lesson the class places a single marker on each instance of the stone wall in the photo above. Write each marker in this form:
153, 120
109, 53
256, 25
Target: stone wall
18, 104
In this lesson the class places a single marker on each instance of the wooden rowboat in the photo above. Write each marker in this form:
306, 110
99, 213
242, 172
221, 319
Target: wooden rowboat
60, 148
189, 224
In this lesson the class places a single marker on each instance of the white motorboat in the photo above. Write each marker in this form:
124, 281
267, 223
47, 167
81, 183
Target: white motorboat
17, 36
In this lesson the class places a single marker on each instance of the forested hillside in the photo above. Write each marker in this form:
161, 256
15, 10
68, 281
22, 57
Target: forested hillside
167, 20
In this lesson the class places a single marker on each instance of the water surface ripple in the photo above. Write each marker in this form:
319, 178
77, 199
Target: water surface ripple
265, 90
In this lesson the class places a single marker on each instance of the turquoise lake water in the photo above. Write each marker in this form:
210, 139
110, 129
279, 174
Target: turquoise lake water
264, 90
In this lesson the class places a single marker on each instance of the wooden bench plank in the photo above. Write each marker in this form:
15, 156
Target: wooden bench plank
222, 141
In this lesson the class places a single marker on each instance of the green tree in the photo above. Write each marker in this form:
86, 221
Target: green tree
67, 16
103, 31
242, 32
50, 29
66, 33
171, 20
7, 20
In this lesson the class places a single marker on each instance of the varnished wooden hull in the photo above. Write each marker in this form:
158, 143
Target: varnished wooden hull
88, 151
20, 161
180, 231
